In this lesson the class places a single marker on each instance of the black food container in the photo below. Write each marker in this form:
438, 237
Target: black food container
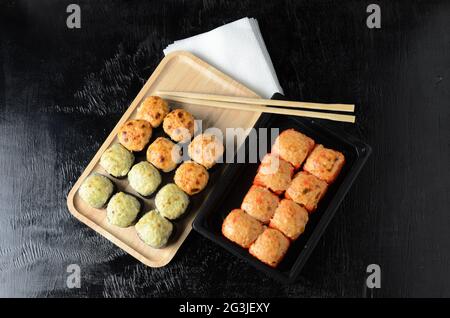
238, 177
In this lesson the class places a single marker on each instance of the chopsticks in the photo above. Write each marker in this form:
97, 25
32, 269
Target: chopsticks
255, 104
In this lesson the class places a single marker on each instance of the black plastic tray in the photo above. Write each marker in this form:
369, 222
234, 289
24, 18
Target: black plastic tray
237, 179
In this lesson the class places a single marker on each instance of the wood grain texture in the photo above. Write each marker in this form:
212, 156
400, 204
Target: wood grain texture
177, 71
62, 91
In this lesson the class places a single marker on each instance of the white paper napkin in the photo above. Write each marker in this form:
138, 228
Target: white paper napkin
238, 50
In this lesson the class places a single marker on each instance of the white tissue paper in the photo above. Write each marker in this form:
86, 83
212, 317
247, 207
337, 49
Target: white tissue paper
238, 50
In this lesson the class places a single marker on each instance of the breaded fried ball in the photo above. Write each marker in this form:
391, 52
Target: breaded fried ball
179, 125
122, 209
153, 229
135, 134
206, 149
144, 178
153, 109
171, 201
117, 160
164, 154
191, 177
96, 190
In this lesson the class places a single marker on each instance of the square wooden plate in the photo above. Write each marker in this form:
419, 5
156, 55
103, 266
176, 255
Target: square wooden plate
178, 71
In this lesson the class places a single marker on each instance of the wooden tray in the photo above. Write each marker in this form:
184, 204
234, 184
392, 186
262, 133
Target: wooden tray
178, 71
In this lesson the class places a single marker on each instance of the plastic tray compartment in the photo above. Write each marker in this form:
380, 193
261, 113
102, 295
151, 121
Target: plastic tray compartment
238, 177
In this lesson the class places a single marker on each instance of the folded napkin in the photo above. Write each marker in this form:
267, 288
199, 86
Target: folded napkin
238, 50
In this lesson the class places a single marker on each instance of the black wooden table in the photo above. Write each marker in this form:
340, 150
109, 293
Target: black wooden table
62, 91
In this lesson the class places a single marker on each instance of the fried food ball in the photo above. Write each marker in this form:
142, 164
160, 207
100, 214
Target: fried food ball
171, 201
153, 229
164, 154
153, 109
96, 190
191, 177
206, 149
135, 134
122, 209
117, 160
179, 125
144, 178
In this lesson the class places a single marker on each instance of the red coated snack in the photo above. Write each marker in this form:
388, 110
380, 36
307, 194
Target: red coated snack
290, 219
306, 190
260, 203
270, 247
324, 163
274, 173
293, 147
241, 228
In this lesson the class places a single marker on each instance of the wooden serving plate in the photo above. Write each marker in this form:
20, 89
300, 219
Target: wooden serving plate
178, 71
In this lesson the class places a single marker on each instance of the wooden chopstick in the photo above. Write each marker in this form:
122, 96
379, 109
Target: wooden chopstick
259, 108
259, 101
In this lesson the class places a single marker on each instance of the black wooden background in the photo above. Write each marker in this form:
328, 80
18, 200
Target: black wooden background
62, 91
